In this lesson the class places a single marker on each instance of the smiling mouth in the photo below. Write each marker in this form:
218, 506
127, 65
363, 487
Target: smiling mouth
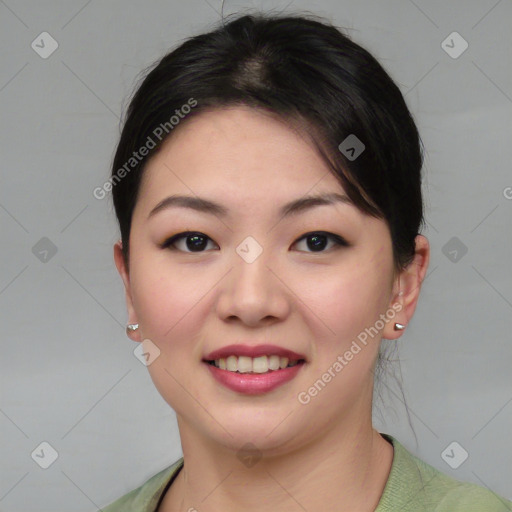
256, 365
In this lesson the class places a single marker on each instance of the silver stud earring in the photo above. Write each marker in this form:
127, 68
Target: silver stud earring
399, 327
132, 327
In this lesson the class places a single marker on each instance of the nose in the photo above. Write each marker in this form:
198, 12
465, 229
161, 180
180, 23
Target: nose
253, 293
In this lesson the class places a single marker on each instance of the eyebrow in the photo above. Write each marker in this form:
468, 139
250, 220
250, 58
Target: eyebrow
210, 207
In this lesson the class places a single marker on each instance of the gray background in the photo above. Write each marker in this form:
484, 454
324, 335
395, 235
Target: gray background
69, 375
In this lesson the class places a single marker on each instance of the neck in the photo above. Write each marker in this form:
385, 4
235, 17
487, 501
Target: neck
345, 467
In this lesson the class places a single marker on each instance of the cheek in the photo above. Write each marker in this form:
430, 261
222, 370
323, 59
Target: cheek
167, 301
348, 304
171, 308
349, 300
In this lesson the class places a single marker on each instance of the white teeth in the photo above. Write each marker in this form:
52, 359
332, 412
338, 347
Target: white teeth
244, 364
261, 364
232, 363
273, 363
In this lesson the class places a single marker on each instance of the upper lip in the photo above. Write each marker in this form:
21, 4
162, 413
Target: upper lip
253, 351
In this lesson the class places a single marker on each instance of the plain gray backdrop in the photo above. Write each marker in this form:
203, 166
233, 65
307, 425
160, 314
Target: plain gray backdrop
69, 375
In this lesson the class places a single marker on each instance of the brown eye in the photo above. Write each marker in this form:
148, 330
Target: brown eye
188, 241
316, 241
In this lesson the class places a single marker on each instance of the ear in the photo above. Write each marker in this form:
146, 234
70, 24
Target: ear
406, 289
125, 276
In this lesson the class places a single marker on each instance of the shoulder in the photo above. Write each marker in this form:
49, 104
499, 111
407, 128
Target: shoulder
469, 497
415, 486
146, 497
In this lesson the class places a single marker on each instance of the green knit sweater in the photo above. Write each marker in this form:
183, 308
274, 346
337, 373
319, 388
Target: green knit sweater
412, 486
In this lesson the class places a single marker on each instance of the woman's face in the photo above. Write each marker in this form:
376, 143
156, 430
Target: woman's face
251, 279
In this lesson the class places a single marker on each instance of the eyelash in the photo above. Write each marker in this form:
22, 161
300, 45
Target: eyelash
338, 241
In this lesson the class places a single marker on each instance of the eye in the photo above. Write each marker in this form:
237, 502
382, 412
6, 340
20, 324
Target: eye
317, 241
194, 242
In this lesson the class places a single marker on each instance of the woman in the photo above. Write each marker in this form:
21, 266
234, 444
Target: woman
267, 185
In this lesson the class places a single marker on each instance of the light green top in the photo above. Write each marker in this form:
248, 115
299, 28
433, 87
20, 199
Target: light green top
412, 486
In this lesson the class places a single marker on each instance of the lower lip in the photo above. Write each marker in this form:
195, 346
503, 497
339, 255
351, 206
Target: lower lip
254, 383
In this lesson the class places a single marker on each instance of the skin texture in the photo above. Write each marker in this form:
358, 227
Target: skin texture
315, 303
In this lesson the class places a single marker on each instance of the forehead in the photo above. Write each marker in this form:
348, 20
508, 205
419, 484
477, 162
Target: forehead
237, 153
